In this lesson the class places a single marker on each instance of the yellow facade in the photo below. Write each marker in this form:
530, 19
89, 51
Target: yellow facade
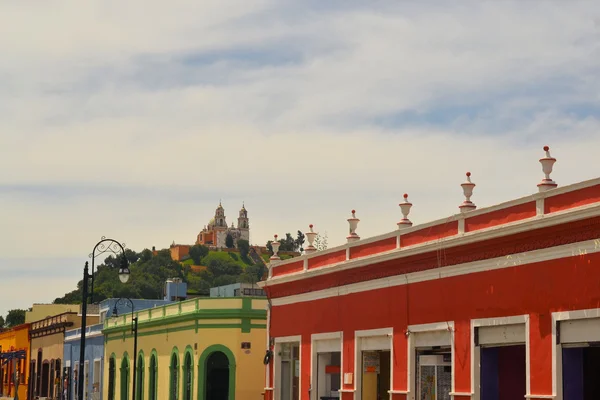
14, 339
42, 311
47, 338
218, 345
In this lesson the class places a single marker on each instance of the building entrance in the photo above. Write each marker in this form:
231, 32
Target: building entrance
580, 372
328, 375
503, 374
434, 374
375, 379
217, 376
290, 371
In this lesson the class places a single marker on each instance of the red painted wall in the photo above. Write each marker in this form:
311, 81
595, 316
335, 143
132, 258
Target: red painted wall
534, 289
500, 217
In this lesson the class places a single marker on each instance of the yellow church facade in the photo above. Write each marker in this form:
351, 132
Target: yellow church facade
199, 349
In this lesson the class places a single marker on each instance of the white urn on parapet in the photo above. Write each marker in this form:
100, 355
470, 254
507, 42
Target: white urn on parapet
310, 236
405, 210
547, 164
275, 245
467, 187
353, 222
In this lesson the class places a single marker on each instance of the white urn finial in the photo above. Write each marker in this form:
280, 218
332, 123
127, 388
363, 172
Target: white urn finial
275, 244
405, 210
467, 186
353, 221
547, 163
310, 236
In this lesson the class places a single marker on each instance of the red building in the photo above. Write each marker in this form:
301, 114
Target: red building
500, 303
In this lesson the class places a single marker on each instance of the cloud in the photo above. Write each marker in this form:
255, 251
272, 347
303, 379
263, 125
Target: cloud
133, 124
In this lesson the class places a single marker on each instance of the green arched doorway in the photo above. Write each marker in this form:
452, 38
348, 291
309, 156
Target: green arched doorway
216, 374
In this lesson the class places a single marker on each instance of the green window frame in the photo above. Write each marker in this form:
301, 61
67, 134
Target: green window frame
174, 375
153, 376
125, 377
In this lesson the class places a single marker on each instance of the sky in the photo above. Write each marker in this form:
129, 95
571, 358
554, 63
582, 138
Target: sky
132, 119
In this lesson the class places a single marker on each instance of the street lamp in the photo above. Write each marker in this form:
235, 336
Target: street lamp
103, 246
124, 276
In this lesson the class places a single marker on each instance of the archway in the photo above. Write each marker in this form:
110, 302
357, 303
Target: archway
188, 371
139, 395
125, 378
111, 377
216, 374
152, 376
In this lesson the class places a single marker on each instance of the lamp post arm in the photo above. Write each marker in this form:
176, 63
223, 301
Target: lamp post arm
103, 246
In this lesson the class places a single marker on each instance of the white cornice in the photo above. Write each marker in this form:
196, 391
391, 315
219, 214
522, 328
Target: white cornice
540, 221
567, 250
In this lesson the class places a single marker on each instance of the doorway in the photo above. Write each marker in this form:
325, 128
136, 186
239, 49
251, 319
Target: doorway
375, 380
328, 375
434, 374
503, 372
45, 379
217, 376
580, 373
289, 357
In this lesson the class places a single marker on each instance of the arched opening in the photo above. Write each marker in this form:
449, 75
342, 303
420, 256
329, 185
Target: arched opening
125, 379
152, 378
188, 372
139, 372
45, 381
217, 376
174, 381
111, 378
58, 378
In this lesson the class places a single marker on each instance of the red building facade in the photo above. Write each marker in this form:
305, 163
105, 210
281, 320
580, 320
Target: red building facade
499, 303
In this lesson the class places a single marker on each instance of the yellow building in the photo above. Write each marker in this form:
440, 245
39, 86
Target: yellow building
47, 337
12, 340
199, 349
40, 311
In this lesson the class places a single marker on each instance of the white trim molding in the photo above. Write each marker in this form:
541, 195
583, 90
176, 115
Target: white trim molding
358, 337
475, 353
413, 330
535, 256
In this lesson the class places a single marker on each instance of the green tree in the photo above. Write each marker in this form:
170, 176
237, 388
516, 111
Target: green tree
321, 241
229, 241
15, 317
299, 242
244, 247
198, 252
1, 322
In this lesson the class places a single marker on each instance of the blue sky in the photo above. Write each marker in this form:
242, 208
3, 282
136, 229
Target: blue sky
134, 124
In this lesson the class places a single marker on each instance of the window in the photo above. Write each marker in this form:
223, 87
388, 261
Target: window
139, 391
188, 373
152, 378
96, 381
111, 379
174, 381
125, 379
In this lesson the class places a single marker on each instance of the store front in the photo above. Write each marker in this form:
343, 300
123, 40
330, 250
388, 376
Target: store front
327, 361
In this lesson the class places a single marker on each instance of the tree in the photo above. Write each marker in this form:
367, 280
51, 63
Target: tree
198, 252
1, 322
229, 241
14, 318
244, 247
299, 242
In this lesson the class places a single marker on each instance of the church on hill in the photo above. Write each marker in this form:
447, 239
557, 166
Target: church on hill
216, 231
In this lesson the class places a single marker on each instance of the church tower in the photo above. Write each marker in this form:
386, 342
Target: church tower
220, 226
243, 224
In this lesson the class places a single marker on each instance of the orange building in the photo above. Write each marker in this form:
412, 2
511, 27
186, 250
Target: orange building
12, 340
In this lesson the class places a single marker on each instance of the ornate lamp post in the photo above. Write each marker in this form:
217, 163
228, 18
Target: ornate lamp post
103, 246
134, 329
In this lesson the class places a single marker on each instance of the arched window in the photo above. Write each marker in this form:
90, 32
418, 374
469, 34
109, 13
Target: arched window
111, 377
188, 375
125, 378
174, 381
152, 377
139, 372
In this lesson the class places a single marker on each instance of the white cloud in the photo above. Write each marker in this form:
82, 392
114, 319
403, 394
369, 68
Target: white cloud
132, 120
